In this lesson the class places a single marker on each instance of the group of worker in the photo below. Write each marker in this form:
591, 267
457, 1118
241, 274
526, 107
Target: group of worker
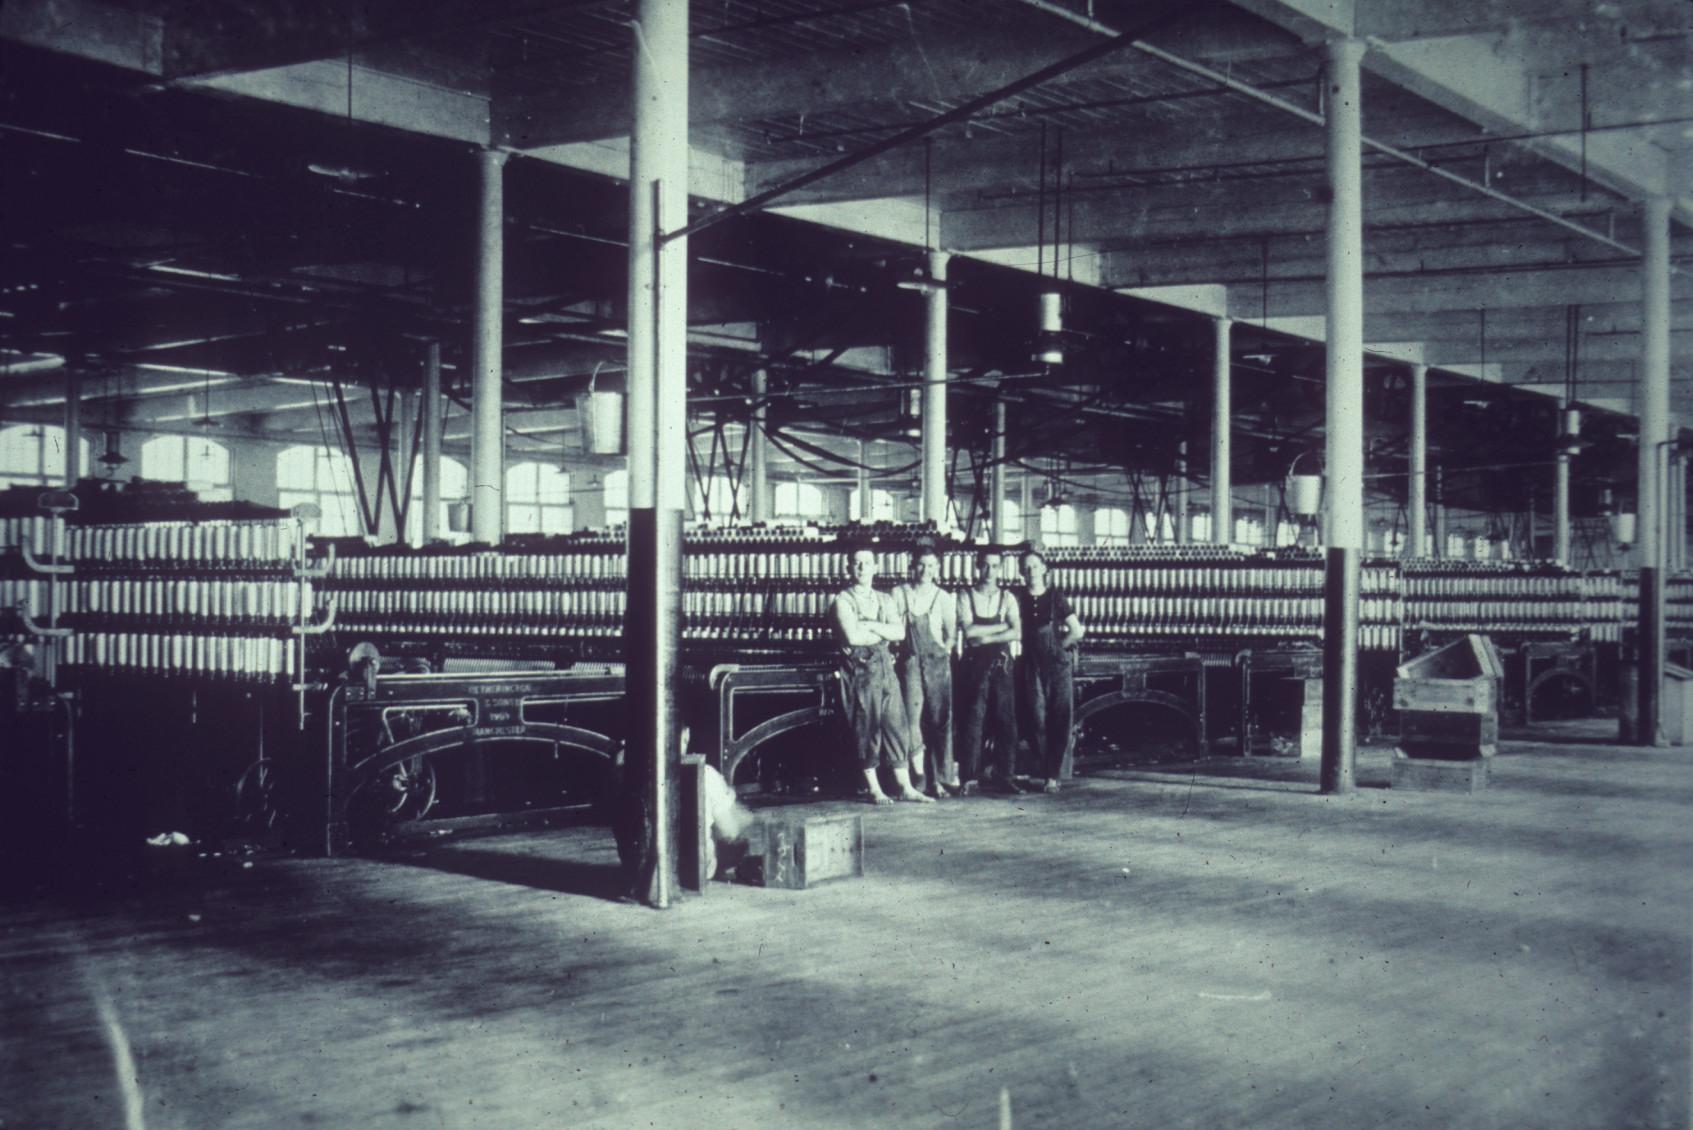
923, 673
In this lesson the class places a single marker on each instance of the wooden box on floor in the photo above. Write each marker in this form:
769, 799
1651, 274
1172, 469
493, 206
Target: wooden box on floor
1428, 774
803, 851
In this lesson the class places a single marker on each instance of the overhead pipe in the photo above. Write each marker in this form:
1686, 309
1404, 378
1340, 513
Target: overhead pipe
1247, 90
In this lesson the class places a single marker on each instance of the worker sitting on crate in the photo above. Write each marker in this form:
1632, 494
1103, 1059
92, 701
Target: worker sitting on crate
865, 623
930, 616
1051, 631
991, 626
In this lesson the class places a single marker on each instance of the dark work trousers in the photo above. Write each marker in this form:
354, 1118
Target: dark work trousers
926, 674
871, 702
1049, 695
989, 709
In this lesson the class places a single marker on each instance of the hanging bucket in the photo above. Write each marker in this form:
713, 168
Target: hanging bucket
602, 422
1305, 495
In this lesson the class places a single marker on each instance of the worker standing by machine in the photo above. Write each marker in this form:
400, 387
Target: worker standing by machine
990, 624
865, 623
1051, 631
930, 616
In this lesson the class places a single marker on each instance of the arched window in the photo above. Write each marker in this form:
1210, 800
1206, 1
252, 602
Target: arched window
798, 502
201, 464
306, 473
1110, 526
34, 455
882, 508
1058, 525
616, 498
538, 500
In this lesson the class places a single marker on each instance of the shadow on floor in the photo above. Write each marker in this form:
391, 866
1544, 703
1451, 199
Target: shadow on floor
602, 880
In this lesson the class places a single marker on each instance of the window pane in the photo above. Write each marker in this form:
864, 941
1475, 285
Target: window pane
557, 519
20, 450
161, 459
295, 468
523, 518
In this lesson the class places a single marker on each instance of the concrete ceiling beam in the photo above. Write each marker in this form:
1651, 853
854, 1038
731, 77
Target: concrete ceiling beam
1414, 294
1392, 196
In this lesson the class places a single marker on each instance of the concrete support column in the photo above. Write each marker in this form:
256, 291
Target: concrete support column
1180, 503
1025, 512
432, 407
1344, 417
1561, 509
1416, 490
73, 427
758, 450
1653, 405
1001, 529
657, 414
934, 392
407, 455
1222, 507
487, 423
864, 507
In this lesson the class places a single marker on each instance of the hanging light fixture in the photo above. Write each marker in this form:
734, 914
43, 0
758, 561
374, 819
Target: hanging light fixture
1049, 344
113, 457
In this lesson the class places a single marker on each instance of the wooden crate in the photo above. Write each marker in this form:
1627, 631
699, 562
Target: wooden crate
1447, 719
801, 852
1423, 774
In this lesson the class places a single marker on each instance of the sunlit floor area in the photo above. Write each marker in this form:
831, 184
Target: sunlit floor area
1202, 945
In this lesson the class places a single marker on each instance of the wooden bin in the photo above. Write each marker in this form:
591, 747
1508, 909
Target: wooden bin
1448, 704
802, 852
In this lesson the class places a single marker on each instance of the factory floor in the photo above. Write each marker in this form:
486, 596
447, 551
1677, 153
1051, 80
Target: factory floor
1199, 945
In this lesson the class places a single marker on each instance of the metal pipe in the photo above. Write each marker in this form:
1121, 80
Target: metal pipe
1654, 433
922, 129
1416, 490
487, 426
934, 391
1001, 529
657, 430
432, 407
73, 427
1344, 415
1222, 504
758, 451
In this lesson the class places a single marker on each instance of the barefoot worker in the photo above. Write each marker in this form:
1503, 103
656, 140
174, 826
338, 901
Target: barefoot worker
989, 621
865, 623
925, 669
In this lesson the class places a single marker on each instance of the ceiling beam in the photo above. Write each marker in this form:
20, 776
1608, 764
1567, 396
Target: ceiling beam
1208, 209
1420, 294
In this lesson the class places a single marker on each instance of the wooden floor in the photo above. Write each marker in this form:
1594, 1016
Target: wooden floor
1209, 945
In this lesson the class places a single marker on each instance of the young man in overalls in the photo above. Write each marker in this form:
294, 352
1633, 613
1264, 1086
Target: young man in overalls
989, 622
930, 616
865, 624
1051, 631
